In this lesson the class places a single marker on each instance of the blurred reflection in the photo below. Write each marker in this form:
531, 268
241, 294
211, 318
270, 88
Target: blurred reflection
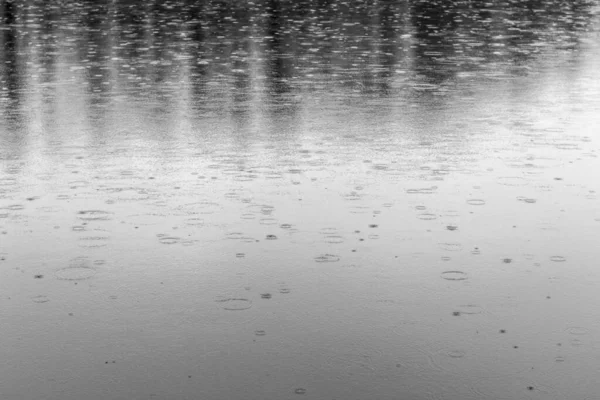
270, 55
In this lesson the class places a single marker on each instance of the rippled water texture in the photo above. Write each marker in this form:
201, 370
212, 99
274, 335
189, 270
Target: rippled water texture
299, 199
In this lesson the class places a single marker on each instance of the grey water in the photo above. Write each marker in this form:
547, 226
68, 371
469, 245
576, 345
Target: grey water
311, 199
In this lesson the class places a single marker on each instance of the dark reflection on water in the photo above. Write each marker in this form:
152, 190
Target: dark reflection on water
225, 51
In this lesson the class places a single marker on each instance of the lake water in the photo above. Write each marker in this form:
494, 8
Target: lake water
299, 199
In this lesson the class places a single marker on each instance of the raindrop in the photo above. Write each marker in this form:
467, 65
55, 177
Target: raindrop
454, 275
234, 304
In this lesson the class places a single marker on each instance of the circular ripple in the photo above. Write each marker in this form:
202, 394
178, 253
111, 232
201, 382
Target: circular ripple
450, 246
93, 241
40, 299
454, 275
324, 258
75, 273
558, 259
427, 216
577, 330
169, 239
512, 181
234, 304
94, 215
334, 239
476, 202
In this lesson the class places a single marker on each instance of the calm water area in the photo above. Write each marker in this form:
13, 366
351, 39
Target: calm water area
309, 199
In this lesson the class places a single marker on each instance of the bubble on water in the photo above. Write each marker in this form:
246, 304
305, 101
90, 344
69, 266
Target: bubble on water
427, 216
325, 258
558, 259
169, 239
476, 202
577, 330
454, 275
40, 299
334, 239
94, 215
234, 303
450, 246
300, 391
512, 181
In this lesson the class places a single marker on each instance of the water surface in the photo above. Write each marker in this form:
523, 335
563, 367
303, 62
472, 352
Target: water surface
316, 199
